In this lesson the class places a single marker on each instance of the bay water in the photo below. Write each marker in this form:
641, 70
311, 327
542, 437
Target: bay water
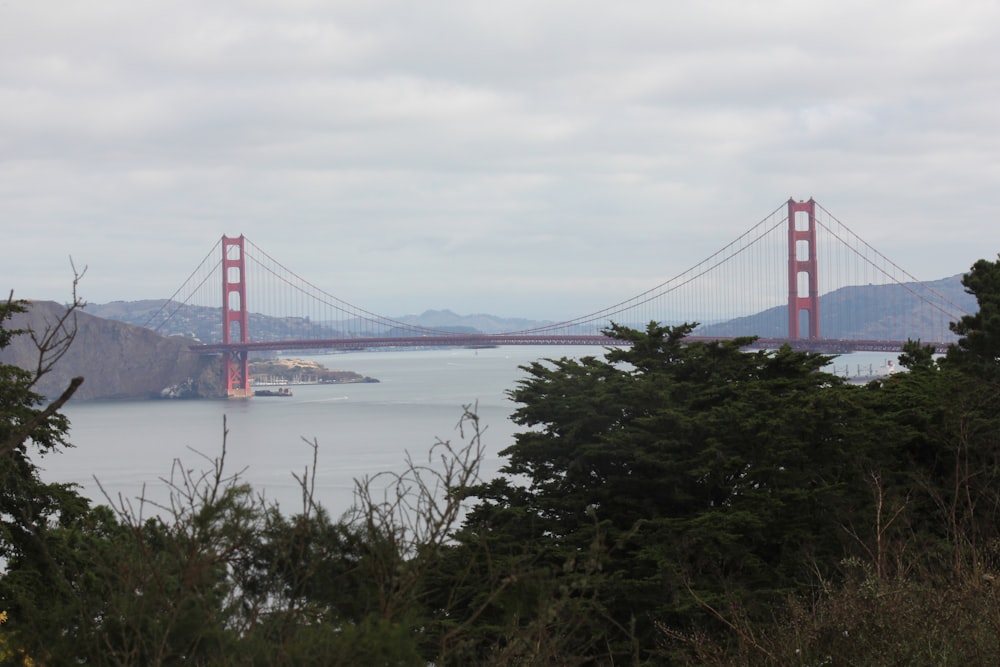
126, 449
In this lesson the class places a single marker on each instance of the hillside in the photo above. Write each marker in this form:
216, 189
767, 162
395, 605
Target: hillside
117, 360
205, 324
859, 313
849, 312
120, 359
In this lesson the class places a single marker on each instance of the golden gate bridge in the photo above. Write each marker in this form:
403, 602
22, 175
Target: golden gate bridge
793, 278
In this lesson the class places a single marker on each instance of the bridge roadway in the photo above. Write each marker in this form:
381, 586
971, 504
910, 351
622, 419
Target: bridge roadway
825, 345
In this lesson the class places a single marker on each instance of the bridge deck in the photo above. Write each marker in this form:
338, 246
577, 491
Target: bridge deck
829, 346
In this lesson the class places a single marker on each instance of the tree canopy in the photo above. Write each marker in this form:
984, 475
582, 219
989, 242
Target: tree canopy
671, 501
672, 477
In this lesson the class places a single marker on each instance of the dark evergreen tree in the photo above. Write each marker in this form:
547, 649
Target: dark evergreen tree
978, 348
942, 420
30, 590
661, 484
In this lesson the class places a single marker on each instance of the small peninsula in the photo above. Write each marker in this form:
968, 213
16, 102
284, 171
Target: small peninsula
299, 371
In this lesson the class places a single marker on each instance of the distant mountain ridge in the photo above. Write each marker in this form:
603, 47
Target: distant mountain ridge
476, 323
867, 312
203, 324
119, 358
858, 312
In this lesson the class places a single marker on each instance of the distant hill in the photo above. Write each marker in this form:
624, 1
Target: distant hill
860, 313
117, 360
478, 323
121, 359
849, 312
199, 323
203, 324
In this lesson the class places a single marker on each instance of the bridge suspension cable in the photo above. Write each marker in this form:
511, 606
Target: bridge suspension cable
601, 319
354, 321
892, 271
204, 273
745, 288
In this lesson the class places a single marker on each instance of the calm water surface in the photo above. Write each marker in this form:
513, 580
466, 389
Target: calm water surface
362, 429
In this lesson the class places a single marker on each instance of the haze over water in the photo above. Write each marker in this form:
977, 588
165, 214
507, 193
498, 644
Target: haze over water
361, 429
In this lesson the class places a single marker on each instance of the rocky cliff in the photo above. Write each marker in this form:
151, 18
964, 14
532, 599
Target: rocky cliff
116, 360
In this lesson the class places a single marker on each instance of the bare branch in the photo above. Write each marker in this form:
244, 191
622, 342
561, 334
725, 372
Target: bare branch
418, 510
51, 344
18, 437
55, 339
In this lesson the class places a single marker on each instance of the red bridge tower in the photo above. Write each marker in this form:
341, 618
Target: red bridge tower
234, 317
803, 285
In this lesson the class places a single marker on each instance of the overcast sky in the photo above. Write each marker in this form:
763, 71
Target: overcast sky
524, 158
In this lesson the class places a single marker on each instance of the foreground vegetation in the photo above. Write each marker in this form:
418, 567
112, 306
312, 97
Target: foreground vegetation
671, 502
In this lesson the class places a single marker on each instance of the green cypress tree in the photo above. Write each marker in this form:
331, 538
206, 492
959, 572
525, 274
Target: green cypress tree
661, 484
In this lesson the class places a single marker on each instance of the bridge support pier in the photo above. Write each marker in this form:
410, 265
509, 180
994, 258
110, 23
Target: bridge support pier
235, 366
803, 284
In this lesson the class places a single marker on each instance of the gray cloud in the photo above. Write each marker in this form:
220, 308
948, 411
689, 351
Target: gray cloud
558, 156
